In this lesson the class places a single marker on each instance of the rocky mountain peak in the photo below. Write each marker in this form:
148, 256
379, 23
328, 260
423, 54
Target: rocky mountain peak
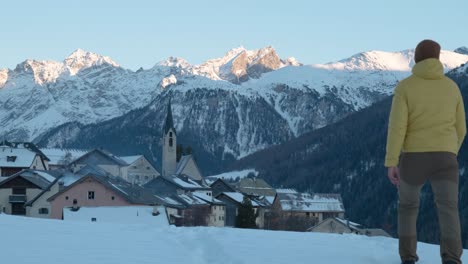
462, 50
81, 59
176, 62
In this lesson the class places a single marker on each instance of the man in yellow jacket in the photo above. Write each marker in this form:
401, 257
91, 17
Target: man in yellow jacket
427, 123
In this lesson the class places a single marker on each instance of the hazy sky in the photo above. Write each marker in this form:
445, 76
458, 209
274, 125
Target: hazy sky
140, 33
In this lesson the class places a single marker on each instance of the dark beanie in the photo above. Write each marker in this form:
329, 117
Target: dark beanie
426, 49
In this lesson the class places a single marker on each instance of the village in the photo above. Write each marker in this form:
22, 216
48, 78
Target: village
98, 186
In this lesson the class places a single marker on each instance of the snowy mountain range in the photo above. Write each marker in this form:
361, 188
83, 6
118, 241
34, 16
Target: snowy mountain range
237, 104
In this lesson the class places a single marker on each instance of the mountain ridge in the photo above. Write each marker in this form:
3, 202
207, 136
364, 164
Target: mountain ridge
298, 99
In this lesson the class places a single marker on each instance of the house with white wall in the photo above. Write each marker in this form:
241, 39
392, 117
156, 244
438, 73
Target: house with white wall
139, 169
25, 186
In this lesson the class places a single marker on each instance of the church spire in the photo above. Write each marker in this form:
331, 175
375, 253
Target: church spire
169, 124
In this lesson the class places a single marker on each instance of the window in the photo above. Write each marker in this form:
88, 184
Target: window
11, 158
308, 214
91, 195
66, 197
75, 201
113, 198
93, 219
171, 142
43, 211
146, 177
170, 134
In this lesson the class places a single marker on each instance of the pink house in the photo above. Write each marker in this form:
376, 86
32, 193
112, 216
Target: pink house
94, 191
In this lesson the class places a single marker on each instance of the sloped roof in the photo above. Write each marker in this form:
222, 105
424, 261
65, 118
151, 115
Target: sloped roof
58, 174
42, 179
92, 169
255, 186
16, 157
56, 155
185, 182
223, 182
169, 201
238, 197
191, 200
106, 154
132, 193
131, 159
207, 198
305, 202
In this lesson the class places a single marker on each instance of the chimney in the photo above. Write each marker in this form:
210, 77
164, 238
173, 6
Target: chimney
61, 185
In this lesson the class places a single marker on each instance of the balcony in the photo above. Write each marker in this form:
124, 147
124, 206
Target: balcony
17, 198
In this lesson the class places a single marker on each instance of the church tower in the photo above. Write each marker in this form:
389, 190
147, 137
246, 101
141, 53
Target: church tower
169, 155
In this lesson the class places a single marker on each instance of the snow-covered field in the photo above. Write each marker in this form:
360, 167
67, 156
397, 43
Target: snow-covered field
27, 240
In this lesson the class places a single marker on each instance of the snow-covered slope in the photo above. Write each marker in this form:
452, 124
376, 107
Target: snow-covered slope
54, 241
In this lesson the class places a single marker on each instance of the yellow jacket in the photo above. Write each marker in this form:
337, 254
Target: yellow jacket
427, 113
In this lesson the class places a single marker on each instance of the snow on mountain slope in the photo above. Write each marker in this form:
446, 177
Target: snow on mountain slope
54, 241
81, 59
3, 77
390, 61
88, 88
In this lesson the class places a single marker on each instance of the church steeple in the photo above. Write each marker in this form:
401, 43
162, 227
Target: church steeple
169, 155
169, 124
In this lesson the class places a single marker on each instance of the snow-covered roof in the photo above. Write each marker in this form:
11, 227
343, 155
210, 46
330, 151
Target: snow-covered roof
207, 198
306, 202
92, 158
41, 179
45, 175
347, 222
57, 156
192, 200
184, 182
119, 214
131, 159
16, 157
255, 186
284, 191
238, 197
169, 201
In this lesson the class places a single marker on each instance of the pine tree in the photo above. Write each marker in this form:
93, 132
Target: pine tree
246, 215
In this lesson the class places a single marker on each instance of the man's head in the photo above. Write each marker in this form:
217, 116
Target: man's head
426, 49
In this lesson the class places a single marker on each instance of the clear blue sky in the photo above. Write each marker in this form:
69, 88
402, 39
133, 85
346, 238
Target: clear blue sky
140, 33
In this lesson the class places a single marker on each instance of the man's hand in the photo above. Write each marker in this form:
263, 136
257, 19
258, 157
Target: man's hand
394, 175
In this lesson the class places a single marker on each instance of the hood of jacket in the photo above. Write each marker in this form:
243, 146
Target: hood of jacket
430, 69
